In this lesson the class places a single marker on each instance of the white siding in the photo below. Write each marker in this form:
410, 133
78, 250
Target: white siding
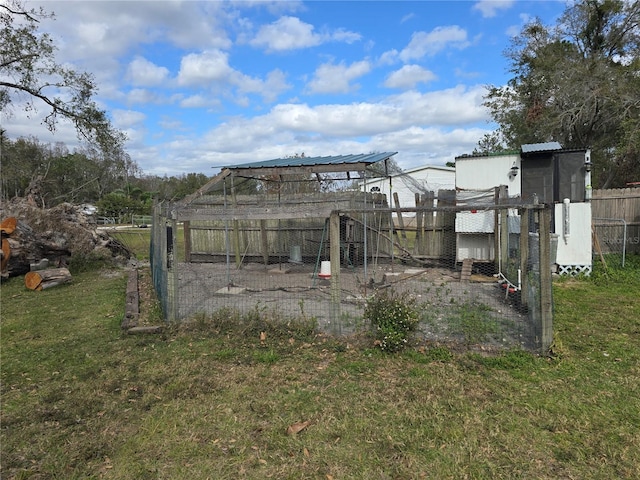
574, 249
484, 173
424, 179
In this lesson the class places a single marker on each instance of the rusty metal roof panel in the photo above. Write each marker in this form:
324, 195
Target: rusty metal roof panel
367, 158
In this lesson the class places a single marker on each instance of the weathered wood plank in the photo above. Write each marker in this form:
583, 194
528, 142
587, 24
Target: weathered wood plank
132, 302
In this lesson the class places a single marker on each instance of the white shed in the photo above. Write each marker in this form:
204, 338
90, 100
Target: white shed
476, 180
545, 171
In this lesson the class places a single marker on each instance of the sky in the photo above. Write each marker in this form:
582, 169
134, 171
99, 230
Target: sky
200, 85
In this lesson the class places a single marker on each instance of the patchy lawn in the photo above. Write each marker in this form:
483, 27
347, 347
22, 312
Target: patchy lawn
249, 397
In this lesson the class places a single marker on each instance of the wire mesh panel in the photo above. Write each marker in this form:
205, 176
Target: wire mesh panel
610, 240
468, 267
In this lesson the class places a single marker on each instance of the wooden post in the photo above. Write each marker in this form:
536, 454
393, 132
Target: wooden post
187, 240
236, 227
172, 271
417, 247
396, 201
265, 241
546, 290
496, 229
504, 238
524, 256
334, 252
502, 233
434, 245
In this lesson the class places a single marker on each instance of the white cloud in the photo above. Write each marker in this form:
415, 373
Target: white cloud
287, 33
199, 101
127, 118
389, 57
342, 35
408, 17
408, 77
142, 72
490, 8
270, 88
203, 68
441, 109
142, 96
331, 78
211, 69
425, 128
430, 43
290, 33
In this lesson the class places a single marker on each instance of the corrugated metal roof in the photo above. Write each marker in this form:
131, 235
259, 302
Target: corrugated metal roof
471, 156
541, 147
367, 158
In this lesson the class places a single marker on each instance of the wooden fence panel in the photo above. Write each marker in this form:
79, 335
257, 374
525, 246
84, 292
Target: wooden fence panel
619, 204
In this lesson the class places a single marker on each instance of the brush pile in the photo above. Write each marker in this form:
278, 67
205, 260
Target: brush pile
33, 238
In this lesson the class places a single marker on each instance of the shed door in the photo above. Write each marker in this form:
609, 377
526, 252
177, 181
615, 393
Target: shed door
537, 178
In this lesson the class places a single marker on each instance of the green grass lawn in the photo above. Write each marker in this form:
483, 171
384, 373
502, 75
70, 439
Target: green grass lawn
212, 400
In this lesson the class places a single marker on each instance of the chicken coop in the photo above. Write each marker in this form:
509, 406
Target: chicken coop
303, 237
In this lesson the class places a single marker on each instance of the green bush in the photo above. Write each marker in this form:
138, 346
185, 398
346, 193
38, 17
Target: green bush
394, 317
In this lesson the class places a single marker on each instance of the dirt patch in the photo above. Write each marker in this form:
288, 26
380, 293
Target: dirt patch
473, 312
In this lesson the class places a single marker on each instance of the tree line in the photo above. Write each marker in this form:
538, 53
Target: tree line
49, 174
576, 82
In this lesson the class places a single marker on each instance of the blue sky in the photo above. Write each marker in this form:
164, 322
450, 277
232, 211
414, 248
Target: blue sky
198, 85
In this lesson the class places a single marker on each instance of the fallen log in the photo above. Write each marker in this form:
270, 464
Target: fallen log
5, 253
8, 225
145, 329
42, 279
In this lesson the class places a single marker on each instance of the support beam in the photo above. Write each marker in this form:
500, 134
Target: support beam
205, 188
403, 234
265, 241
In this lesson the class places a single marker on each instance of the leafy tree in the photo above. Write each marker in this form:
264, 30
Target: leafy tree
490, 143
120, 206
577, 83
57, 175
29, 71
72, 178
31, 77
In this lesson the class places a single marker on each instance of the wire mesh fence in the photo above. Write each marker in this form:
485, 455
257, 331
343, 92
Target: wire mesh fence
474, 269
610, 240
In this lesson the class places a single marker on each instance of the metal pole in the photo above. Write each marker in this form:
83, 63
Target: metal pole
364, 249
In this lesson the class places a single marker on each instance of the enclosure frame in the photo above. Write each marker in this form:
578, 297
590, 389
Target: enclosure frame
168, 216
